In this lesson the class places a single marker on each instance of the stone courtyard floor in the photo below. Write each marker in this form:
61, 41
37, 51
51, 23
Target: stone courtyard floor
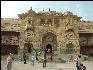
50, 66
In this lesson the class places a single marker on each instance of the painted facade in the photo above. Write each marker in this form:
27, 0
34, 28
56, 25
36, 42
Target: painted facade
63, 33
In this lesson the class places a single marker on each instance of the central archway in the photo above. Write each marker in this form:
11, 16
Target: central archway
49, 40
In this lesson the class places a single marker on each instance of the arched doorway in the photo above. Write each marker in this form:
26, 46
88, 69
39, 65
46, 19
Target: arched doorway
49, 40
28, 47
49, 46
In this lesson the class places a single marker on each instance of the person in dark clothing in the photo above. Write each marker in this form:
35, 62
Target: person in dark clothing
82, 67
44, 62
44, 52
44, 56
24, 57
36, 56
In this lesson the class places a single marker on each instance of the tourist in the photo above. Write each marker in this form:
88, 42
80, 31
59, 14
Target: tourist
36, 56
49, 50
39, 53
78, 62
44, 52
9, 62
33, 59
51, 55
44, 55
19, 59
44, 62
82, 67
24, 57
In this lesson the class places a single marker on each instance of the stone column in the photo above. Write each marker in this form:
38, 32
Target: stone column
21, 44
53, 22
45, 22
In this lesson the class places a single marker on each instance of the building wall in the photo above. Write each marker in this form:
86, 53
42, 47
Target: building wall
37, 29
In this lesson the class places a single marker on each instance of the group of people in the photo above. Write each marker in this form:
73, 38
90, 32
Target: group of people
79, 64
45, 58
35, 57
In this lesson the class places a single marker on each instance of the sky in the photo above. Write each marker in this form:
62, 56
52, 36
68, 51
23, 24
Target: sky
84, 9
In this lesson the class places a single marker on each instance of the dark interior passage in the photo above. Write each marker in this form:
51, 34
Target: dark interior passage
49, 46
6, 49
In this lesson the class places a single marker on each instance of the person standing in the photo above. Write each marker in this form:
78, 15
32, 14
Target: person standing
24, 57
36, 56
82, 67
49, 51
33, 59
78, 62
39, 53
44, 52
9, 62
44, 62
51, 56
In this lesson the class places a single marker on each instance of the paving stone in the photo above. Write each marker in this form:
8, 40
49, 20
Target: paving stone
50, 66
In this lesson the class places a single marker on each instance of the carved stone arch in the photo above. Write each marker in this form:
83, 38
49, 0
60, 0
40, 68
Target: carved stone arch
70, 48
70, 30
51, 31
28, 47
70, 33
49, 39
28, 31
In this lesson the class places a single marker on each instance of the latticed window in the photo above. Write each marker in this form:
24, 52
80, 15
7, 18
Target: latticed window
42, 22
83, 40
90, 40
29, 22
56, 22
49, 22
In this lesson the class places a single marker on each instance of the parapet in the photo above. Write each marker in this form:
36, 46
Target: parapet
9, 19
87, 21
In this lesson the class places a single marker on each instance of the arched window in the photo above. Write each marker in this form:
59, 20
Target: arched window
42, 22
49, 22
56, 22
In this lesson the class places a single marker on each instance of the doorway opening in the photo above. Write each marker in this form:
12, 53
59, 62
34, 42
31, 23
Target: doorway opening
28, 47
49, 47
